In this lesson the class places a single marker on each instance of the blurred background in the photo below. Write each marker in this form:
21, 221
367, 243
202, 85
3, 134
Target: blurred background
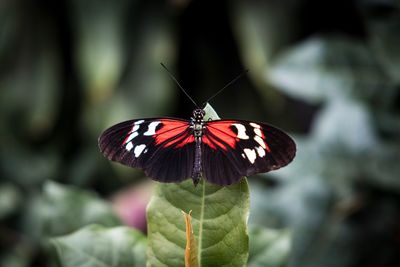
327, 72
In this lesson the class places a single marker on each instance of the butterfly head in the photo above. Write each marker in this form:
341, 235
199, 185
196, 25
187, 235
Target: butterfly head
198, 114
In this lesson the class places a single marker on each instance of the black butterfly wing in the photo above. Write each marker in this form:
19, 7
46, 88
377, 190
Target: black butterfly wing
232, 149
162, 147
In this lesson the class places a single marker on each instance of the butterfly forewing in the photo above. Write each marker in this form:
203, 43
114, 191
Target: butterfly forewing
162, 147
232, 149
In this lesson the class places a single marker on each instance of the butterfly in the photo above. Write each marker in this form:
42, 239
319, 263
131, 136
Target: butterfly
220, 151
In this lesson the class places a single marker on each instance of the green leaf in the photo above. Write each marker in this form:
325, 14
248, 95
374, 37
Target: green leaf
329, 67
27, 167
98, 246
19, 255
10, 199
36, 78
356, 133
99, 49
210, 113
123, 82
269, 248
62, 209
259, 38
219, 220
383, 166
383, 33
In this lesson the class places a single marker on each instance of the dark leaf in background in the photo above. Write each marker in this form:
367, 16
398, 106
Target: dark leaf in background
25, 167
63, 209
268, 248
324, 68
10, 199
98, 246
382, 19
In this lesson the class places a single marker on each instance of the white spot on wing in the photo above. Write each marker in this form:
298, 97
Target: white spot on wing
260, 141
260, 151
139, 122
243, 156
255, 125
133, 135
251, 154
135, 128
241, 131
257, 131
138, 150
129, 146
152, 128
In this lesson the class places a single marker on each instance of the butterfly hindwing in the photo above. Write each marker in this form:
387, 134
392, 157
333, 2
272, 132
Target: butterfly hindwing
232, 149
162, 147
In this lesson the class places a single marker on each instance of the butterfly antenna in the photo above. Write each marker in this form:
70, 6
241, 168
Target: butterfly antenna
180, 86
227, 85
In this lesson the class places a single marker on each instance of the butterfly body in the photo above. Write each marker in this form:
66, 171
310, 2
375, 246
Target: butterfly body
197, 125
220, 151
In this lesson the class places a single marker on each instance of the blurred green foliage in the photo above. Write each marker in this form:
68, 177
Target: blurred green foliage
97, 246
327, 71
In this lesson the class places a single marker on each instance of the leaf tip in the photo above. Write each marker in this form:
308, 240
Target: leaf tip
191, 249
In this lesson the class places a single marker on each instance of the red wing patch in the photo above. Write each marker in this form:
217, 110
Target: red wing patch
212, 142
219, 133
180, 140
173, 133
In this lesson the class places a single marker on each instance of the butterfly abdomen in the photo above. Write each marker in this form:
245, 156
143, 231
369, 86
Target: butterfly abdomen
197, 162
